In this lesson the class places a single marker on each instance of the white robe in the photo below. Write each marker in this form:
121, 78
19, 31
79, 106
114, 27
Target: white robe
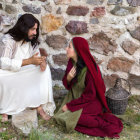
23, 87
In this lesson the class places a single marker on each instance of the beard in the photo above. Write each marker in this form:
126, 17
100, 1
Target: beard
30, 38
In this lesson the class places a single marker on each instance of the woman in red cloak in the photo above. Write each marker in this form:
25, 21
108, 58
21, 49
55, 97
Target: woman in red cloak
85, 108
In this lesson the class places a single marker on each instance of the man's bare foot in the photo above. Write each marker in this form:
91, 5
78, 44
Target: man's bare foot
4, 118
43, 114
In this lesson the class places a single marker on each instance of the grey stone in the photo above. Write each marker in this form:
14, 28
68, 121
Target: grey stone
59, 93
56, 41
114, 2
122, 11
10, 9
134, 2
6, 20
59, 11
25, 120
32, 8
136, 33
76, 27
94, 21
95, 2
134, 80
48, 8
57, 74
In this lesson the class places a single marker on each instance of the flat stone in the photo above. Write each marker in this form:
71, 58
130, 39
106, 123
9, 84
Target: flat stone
6, 20
32, 8
43, 0
134, 80
102, 44
56, 41
95, 2
120, 64
57, 74
10, 9
136, 33
62, 2
58, 11
77, 10
76, 27
94, 21
134, 2
114, 2
110, 80
51, 23
60, 59
122, 11
48, 8
129, 47
59, 93
25, 120
98, 12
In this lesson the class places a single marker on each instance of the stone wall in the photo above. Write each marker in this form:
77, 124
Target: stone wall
112, 28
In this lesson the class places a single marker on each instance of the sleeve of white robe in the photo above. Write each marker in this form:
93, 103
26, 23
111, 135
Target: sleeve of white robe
6, 51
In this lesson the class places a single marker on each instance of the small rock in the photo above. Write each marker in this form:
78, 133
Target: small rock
94, 21
120, 64
114, 2
136, 33
122, 11
134, 80
32, 8
25, 120
76, 27
98, 12
56, 41
60, 59
102, 44
51, 23
57, 74
62, 1
77, 10
59, 11
48, 8
10, 9
95, 2
129, 47
134, 2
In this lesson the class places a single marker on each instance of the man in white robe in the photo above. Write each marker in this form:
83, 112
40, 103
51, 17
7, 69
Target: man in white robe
25, 77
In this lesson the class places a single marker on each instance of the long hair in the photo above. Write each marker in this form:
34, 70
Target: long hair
79, 66
20, 30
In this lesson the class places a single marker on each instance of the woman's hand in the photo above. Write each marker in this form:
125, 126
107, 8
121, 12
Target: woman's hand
71, 74
64, 108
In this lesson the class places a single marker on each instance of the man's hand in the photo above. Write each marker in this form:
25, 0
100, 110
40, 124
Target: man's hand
35, 60
64, 108
43, 65
71, 74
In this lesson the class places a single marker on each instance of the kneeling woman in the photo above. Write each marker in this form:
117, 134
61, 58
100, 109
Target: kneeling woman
83, 107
